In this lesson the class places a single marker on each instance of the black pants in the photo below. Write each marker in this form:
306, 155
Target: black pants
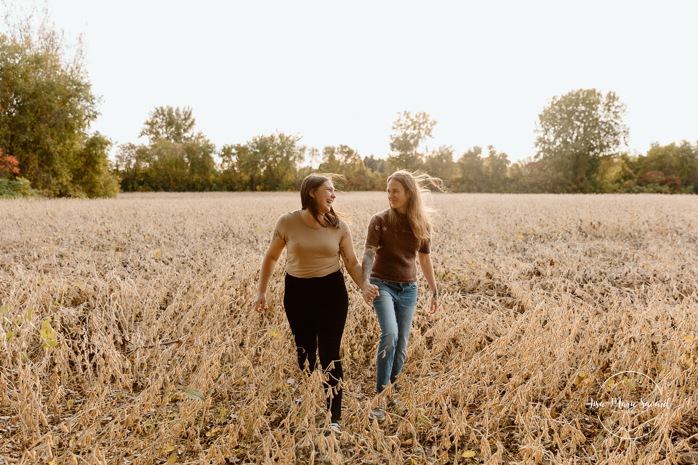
316, 309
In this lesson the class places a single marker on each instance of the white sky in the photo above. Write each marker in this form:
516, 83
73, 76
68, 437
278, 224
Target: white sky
339, 72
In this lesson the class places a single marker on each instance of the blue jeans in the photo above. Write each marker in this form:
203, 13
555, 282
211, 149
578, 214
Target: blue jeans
395, 308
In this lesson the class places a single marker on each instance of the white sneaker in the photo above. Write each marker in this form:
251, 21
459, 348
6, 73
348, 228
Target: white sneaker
377, 414
333, 428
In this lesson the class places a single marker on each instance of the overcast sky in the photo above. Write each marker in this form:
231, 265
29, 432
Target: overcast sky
339, 72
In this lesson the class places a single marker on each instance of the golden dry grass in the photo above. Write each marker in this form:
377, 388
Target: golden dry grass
127, 336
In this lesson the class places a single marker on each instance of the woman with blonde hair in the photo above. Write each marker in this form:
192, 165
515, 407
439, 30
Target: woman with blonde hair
315, 295
396, 239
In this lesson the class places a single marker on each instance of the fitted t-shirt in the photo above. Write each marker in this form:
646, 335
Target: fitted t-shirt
396, 250
310, 252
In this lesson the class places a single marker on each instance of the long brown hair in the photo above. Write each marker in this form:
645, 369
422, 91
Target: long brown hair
310, 184
415, 185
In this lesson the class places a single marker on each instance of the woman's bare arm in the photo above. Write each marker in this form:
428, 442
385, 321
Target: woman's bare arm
268, 263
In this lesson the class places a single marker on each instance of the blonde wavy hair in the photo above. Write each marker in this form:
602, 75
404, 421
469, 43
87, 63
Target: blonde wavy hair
416, 187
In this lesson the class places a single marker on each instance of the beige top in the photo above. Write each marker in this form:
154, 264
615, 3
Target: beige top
310, 252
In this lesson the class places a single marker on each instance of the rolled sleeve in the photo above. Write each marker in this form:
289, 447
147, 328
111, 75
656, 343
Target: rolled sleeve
425, 247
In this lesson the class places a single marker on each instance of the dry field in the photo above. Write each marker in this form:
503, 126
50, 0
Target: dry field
568, 333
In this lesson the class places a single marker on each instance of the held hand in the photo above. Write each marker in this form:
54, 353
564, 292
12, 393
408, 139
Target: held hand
369, 292
259, 303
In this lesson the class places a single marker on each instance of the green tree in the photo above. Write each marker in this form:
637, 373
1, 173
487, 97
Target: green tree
176, 146
575, 132
330, 163
46, 107
677, 161
248, 161
173, 124
277, 157
376, 165
615, 174
202, 167
169, 169
531, 176
230, 177
131, 164
409, 132
282, 161
471, 171
441, 165
91, 172
343, 160
346, 161
313, 157
495, 169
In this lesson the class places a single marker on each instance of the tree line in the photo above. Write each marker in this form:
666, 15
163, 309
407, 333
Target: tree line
177, 158
47, 106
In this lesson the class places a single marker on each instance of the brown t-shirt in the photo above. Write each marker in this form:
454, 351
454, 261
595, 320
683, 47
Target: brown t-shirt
310, 252
396, 251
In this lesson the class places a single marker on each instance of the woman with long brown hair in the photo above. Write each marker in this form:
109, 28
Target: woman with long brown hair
315, 295
397, 238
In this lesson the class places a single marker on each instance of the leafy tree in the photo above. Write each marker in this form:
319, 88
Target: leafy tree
409, 132
9, 165
615, 173
516, 176
202, 167
282, 157
376, 165
11, 185
575, 131
91, 171
131, 165
471, 171
18, 187
676, 161
347, 162
249, 166
169, 170
495, 168
441, 165
229, 177
177, 158
342, 159
330, 163
263, 163
46, 107
313, 156
172, 124
533, 177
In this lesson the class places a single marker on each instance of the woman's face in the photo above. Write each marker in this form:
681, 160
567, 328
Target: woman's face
397, 196
324, 196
